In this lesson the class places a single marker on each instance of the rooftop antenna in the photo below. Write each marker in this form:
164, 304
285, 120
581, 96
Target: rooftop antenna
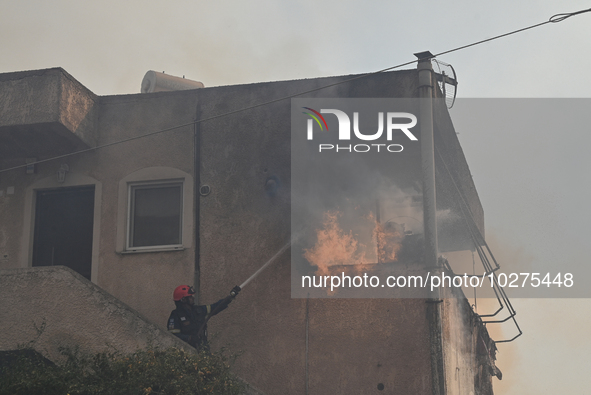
447, 81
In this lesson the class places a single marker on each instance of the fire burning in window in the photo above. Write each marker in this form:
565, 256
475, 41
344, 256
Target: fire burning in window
338, 247
388, 238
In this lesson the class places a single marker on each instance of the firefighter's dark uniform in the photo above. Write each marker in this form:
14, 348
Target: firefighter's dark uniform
185, 324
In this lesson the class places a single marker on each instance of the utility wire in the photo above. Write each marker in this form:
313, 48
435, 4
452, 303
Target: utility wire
553, 19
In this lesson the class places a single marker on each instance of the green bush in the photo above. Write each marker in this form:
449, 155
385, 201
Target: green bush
172, 371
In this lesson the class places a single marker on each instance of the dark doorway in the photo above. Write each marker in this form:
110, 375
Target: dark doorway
63, 228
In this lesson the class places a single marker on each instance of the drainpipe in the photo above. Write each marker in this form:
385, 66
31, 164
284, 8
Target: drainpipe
307, 377
197, 196
425, 72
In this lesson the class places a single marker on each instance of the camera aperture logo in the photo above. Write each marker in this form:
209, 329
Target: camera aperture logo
396, 122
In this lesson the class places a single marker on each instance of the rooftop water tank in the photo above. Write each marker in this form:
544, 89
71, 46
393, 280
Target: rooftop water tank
160, 82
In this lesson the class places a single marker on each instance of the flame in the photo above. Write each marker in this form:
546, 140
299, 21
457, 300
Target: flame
337, 247
334, 246
389, 241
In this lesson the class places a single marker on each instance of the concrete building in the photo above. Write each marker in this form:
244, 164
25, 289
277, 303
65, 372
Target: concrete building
134, 195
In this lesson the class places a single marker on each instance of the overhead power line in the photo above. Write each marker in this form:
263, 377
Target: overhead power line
553, 19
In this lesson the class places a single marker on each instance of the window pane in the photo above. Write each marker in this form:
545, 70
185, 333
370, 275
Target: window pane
156, 215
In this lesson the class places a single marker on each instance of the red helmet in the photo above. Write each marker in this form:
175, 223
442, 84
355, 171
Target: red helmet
182, 291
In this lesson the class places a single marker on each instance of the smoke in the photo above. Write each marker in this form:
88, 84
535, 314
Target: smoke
355, 215
510, 356
201, 40
352, 214
551, 355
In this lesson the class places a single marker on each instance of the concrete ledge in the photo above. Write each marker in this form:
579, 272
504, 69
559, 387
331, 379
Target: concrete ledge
45, 112
53, 307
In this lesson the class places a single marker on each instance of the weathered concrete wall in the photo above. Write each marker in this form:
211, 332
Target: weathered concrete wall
144, 280
29, 97
459, 344
70, 311
468, 351
44, 113
11, 223
77, 109
361, 345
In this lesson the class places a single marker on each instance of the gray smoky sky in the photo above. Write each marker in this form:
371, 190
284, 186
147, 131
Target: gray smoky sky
535, 187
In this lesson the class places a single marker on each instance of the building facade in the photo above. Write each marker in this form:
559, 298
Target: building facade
136, 196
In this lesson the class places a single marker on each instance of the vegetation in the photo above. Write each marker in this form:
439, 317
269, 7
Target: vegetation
172, 371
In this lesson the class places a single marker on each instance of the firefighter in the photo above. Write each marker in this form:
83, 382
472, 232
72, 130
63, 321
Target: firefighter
188, 321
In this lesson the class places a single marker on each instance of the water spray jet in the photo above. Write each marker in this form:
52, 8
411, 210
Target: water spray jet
273, 258
238, 288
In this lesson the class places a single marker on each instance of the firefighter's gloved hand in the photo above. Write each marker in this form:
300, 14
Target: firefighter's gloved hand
234, 292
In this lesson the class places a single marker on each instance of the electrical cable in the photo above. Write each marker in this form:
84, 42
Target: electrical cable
554, 19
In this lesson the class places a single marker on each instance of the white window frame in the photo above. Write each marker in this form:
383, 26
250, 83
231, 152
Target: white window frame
131, 188
155, 176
